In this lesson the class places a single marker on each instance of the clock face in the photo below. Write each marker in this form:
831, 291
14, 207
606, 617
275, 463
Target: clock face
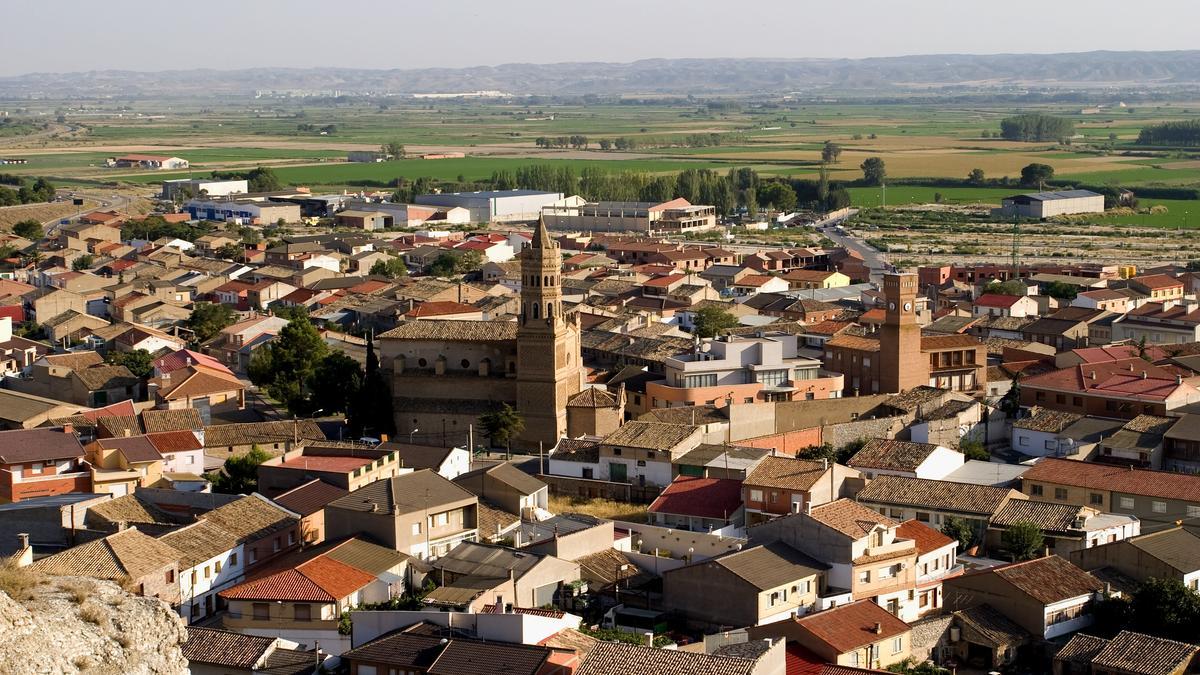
892, 306
908, 306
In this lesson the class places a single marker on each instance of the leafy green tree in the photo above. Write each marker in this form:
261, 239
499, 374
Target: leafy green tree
711, 321
263, 179
974, 450
1010, 287
208, 319
1036, 127
1166, 608
372, 414
910, 666
239, 475
830, 152
502, 425
975, 177
83, 262
874, 171
335, 383
960, 529
139, 361
1033, 175
445, 265
390, 268
1023, 541
28, 229
776, 194
1061, 290
393, 149
285, 366
229, 252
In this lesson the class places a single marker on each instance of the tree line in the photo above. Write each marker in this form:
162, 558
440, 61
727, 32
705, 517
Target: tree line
1182, 133
1036, 127
581, 142
41, 190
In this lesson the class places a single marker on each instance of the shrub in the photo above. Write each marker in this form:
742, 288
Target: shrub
79, 590
18, 582
92, 613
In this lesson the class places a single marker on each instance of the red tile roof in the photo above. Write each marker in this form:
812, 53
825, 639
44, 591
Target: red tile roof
754, 280
122, 409
1167, 485
1157, 281
851, 626
926, 538
174, 441
186, 357
663, 282
1123, 377
716, 498
996, 300
321, 579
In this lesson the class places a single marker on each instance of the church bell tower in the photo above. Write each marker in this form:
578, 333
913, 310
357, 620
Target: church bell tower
549, 365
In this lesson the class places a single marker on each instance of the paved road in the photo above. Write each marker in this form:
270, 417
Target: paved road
875, 259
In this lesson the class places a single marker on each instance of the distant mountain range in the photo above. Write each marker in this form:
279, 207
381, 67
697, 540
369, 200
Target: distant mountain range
651, 76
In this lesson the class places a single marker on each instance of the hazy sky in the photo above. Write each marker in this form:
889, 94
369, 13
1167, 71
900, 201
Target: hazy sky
80, 35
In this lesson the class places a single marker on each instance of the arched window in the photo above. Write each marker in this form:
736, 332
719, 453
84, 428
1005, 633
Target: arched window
549, 310
535, 310
545, 281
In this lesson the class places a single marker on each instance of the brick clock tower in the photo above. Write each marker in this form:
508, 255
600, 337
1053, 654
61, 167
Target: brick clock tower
900, 367
549, 364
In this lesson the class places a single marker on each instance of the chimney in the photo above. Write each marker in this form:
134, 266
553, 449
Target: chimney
878, 628
649, 638
1178, 379
68, 428
1143, 374
23, 539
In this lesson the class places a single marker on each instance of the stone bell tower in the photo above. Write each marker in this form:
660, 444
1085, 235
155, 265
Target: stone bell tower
549, 364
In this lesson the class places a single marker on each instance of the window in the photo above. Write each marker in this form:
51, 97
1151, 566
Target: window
1035, 490
207, 573
1051, 444
170, 577
705, 380
1060, 494
854, 658
886, 572
922, 516
441, 519
775, 598
275, 545
617, 451
195, 577
772, 378
233, 559
1193, 511
302, 612
416, 528
1127, 502
291, 538
588, 472
864, 577
1095, 498
641, 462
36, 467
898, 645
756, 495
1158, 507
262, 611
1024, 440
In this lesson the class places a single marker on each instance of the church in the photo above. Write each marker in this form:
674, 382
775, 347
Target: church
445, 374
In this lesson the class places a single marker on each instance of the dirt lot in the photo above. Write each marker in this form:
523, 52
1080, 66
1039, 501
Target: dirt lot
11, 215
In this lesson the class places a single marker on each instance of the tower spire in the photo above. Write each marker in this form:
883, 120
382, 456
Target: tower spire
541, 236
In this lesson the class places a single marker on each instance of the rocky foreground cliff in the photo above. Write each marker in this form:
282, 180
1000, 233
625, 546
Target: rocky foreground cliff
76, 625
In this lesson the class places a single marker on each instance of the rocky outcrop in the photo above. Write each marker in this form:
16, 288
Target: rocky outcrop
76, 625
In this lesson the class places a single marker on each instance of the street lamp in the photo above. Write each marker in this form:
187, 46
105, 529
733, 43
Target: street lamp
410, 435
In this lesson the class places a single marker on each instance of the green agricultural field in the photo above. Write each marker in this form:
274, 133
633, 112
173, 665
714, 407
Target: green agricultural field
470, 168
908, 194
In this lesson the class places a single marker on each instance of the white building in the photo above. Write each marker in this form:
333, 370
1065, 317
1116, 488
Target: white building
244, 211
495, 205
198, 187
1049, 204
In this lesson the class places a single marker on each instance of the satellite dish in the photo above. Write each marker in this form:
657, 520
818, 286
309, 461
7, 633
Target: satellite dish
706, 347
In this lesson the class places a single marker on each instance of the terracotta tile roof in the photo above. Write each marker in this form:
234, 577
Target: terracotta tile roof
320, 579
786, 472
850, 518
1163, 484
1157, 281
408, 492
716, 498
882, 453
604, 567
936, 342
251, 517
167, 442
925, 537
1047, 580
194, 381
848, 627
97, 378
159, 421
769, 566
1178, 547
1081, 649
1122, 378
199, 542
592, 397
113, 426
125, 553
225, 648
135, 449
469, 657
1050, 517
127, 509
1047, 420
440, 308
996, 300
983, 500
454, 331
614, 658
854, 342
186, 357
649, 435
309, 498
1131, 652
38, 445
996, 627
247, 433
